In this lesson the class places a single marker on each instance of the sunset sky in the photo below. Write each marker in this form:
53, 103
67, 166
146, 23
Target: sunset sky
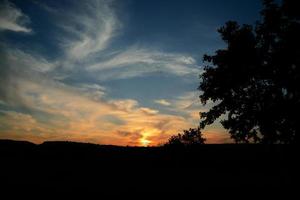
121, 72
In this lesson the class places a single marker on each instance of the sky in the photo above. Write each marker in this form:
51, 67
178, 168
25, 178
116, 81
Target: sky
121, 72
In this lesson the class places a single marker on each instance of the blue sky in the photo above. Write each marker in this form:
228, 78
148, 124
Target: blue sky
110, 72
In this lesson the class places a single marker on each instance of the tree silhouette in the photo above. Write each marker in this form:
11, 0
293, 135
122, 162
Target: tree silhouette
254, 82
193, 136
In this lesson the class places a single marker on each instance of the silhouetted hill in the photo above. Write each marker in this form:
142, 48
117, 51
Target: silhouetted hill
70, 166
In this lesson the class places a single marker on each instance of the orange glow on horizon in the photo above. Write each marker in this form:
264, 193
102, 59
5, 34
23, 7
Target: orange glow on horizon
144, 142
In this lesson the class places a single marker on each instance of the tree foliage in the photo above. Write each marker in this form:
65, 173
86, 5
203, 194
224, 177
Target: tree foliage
254, 81
193, 136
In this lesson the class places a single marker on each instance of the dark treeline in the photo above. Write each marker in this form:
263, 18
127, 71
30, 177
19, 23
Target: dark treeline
10, 149
69, 166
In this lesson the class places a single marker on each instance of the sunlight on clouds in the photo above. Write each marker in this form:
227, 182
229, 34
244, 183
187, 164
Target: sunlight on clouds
25, 122
216, 136
162, 102
14, 125
80, 118
75, 115
147, 137
12, 19
145, 142
149, 111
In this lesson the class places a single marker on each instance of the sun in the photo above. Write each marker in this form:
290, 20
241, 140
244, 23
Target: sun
145, 142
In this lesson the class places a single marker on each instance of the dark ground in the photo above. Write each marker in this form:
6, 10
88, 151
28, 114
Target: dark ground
87, 168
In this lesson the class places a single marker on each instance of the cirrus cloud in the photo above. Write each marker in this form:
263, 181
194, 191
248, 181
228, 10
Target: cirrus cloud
137, 61
12, 18
163, 102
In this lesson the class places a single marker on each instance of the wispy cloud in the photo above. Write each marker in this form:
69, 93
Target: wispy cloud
188, 105
17, 58
12, 18
136, 61
163, 102
89, 27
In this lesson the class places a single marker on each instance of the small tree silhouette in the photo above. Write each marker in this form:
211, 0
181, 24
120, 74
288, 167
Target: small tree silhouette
255, 80
193, 136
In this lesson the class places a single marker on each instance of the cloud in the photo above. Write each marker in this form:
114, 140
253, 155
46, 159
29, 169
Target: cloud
28, 61
136, 61
85, 31
149, 111
84, 113
93, 91
70, 113
89, 27
163, 102
25, 122
12, 18
217, 136
125, 104
189, 105
188, 101
17, 64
